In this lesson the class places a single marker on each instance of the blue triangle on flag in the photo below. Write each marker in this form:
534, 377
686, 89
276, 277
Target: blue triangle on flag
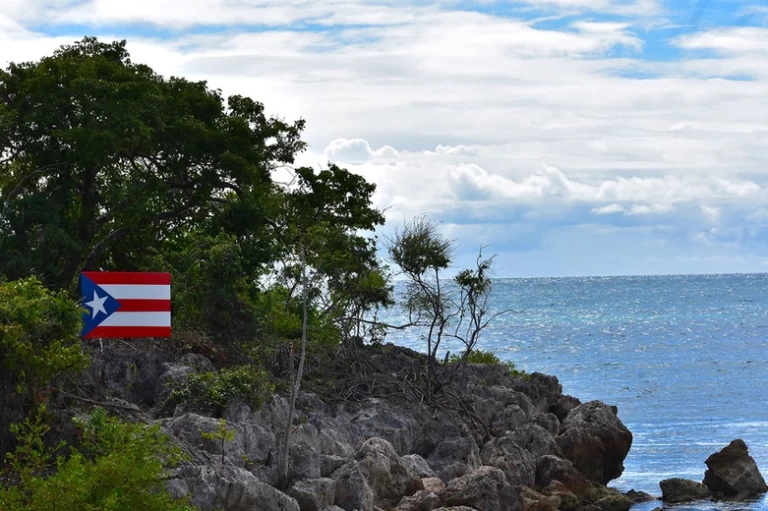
98, 304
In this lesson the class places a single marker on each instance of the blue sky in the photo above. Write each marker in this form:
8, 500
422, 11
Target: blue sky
572, 137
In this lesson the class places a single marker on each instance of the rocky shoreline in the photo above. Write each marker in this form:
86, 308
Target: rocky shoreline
511, 443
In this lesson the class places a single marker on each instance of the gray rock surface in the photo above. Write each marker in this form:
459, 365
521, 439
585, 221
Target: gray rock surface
484, 489
352, 489
517, 464
314, 494
387, 475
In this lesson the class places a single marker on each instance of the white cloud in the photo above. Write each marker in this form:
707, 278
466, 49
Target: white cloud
610, 209
650, 209
758, 216
711, 214
356, 150
731, 40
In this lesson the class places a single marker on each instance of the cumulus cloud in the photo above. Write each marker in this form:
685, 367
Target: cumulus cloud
566, 129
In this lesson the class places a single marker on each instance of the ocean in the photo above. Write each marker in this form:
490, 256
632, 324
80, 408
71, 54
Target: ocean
685, 359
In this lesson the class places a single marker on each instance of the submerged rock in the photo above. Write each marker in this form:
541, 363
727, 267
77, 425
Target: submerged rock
733, 473
682, 490
639, 496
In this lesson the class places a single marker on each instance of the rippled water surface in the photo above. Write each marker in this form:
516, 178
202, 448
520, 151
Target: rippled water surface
685, 358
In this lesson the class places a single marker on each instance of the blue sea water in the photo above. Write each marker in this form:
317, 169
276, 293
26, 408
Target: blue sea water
685, 359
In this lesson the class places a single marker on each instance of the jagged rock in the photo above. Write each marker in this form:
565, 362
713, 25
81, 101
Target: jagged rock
314, 494
682, 490
564, 405
333, 508
568, 501
733, 473
352, 489
227, 487
485, 489
460, 453
508, 419
548, 421
533, 500
386, 474
552, 468
433, 485
639, 496
517, 464
188, 429
537, 440
199, 363
417, 466
398, 426
453, 471
455, 508
595, 440
173, 373
419, 501
503, 396
616, 502
130, 376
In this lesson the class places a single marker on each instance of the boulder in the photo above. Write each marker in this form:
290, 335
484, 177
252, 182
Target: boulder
508, 419
419, 501
568, 501
595, 440
682, 490
548, 421
227, 487
433, 485
518, 465
417, 466
639, 496
733, 473
460, 454
533, 500
352, 490
314, 494
564, 405
551, 468
484, 489
616, 502
386, 474
537, 440
455, 508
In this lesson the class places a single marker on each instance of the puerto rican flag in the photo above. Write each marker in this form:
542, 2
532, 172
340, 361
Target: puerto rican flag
126, 304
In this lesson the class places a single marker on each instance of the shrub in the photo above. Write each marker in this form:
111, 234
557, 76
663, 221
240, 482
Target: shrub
39, 334
487, 357
214, 390
118, 467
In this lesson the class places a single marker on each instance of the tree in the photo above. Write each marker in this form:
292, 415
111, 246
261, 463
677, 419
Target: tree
102, 161
446, 309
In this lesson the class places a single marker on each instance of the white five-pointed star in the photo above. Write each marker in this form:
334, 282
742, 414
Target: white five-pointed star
97, 304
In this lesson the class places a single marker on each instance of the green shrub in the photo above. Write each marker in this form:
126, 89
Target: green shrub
487, 357
39, 335
214, 390
118, 467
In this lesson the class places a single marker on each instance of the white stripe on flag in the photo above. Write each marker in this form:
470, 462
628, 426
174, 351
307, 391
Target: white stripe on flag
138, 319
138, 292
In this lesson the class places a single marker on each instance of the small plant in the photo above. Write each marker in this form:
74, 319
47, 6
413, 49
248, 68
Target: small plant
215, 390
222, 434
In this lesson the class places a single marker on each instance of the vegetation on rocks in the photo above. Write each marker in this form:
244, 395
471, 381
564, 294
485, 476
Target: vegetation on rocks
298, 403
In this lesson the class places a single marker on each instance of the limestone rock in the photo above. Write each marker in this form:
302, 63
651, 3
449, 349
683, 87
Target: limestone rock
639, 496
595, 440
386, 474
733, 473
682, 490
551, 468
518, 465
484, 489
419, 501
352, 490
508, 419
417, 466
314, 494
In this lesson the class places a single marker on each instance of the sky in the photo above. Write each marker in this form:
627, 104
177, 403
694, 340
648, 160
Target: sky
568, 137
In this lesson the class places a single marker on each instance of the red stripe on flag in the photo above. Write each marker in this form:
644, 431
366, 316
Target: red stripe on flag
128, 277
144, 305
112, 332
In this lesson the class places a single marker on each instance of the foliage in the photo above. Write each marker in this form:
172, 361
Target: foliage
485, 357
222, 434
118, 467
215, 390
38, 335
102, 161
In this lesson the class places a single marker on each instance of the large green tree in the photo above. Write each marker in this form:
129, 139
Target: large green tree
102, 161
